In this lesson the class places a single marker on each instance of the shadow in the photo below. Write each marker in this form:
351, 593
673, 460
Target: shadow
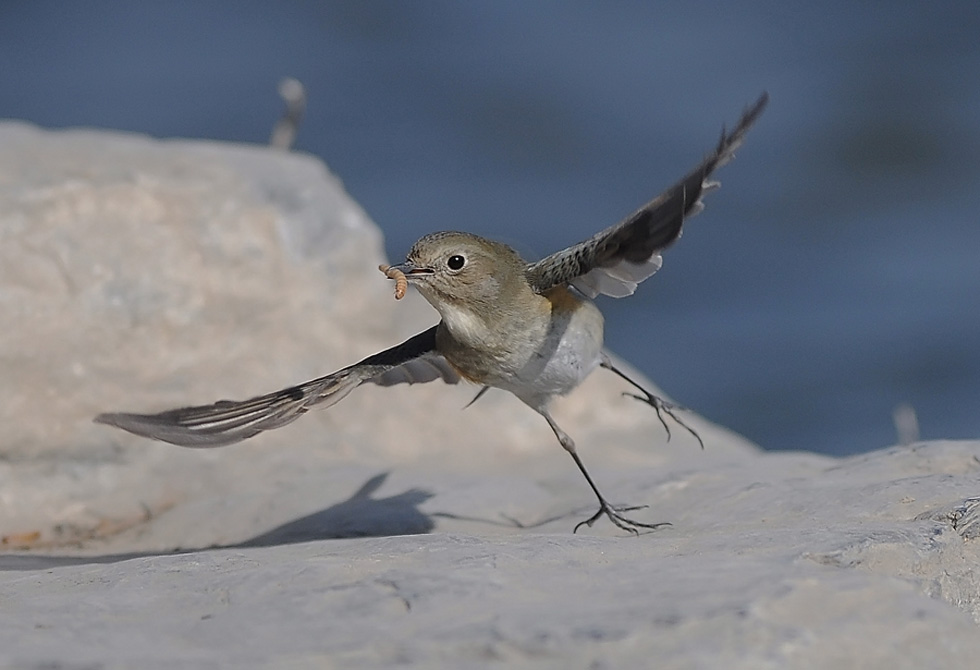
361, 515
358, 516
505, 521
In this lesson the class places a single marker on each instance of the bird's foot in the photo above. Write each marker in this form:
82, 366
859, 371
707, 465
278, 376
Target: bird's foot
615, 514
663, 407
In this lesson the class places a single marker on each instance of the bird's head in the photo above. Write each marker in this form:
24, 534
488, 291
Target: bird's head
456, 271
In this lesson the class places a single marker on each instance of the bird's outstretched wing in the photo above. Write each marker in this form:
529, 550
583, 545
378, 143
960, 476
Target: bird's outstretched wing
615, 260
225, 422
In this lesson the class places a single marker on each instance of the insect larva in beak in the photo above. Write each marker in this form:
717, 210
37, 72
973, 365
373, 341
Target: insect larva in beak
401, 281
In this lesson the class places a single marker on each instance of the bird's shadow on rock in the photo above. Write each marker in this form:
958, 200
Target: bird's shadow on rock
361, 515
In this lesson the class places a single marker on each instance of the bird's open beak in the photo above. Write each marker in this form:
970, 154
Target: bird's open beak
412, 271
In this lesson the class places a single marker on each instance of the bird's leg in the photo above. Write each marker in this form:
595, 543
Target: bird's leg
659, 404
614, 513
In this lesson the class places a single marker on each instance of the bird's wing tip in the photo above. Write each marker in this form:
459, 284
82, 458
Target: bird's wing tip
107, 418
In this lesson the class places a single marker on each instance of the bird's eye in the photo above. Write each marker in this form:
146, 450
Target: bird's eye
456, 262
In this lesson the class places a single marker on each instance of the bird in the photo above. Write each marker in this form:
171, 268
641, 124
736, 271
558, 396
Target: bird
530, 328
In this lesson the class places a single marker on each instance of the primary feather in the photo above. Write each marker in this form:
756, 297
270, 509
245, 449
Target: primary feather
228, 421
613, 261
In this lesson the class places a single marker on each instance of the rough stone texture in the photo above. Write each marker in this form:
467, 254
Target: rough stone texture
140, 275
394, 527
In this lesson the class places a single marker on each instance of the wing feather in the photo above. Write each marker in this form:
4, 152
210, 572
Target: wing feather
615, 260
227, 421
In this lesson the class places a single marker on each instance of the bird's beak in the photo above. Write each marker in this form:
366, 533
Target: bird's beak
412, 271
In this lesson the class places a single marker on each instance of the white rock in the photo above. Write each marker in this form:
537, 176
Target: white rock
140, 275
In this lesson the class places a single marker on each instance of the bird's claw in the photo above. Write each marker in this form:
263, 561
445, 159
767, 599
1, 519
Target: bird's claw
615, 515
662, 407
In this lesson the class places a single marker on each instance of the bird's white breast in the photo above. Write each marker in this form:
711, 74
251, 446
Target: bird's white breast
569, 351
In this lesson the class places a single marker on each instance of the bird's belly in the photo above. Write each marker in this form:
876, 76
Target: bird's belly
565, 366
569, 352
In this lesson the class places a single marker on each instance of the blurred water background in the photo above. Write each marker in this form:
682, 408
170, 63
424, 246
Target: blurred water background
834, 276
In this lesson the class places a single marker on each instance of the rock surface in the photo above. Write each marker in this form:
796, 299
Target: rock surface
393, 528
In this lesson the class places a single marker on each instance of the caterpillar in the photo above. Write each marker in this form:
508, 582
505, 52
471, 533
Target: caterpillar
401, 281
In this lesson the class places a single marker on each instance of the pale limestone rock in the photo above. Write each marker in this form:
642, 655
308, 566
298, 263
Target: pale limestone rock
139, 275
775, 561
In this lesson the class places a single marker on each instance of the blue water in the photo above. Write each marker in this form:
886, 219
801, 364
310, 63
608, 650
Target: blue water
834, 275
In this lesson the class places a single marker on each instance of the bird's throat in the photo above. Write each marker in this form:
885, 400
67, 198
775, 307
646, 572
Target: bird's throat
466, 325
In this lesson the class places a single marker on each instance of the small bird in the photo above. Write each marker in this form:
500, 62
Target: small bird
528, 328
